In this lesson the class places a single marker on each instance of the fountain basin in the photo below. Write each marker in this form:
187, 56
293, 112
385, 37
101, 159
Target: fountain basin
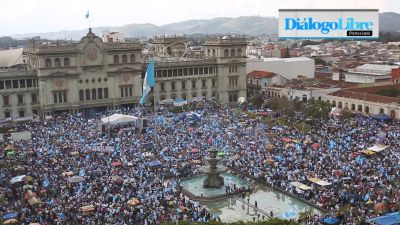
195, 189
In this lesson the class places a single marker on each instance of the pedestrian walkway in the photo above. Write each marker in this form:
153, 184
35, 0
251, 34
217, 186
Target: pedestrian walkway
253, 207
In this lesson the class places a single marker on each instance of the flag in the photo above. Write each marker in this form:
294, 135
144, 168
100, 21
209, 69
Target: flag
148, 81
46, 182
87, 14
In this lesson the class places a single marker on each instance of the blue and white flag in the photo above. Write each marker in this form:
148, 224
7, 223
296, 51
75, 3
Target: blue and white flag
82, 172
148, 82
46, 182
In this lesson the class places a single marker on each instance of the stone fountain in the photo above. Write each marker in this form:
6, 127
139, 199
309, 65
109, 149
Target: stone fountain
213, 171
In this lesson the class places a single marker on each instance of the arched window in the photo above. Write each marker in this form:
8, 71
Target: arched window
366, 109
381, 110
359, 108
239, 52
132, 58
47, 63
233, 52
340, 105
334, 103
87, 94
116, 59
124, 59
81, 97
66, 62
226, 53
105, 92
94, 93
213, 52
57, 62
208, 52
353, 107
100, 93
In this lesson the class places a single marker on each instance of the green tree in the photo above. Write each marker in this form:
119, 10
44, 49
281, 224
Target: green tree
390, 92
318, 109
257, 101
346, 114
319, 61
282, 105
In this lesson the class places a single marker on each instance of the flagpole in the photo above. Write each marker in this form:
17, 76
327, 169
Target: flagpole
154, 107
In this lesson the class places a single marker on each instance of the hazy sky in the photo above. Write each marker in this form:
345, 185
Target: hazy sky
27, 16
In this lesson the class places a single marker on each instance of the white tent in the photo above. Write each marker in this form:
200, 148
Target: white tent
17, 179
118, 118
377, 148
335, 111
241, 100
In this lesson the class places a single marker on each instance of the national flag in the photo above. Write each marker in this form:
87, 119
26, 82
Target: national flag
148, 82
82, 172
87, 15
46, 182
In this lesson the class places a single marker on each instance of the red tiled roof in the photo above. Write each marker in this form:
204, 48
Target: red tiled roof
260, 74
365, 94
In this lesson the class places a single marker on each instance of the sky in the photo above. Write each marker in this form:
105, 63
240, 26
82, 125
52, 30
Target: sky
35, 16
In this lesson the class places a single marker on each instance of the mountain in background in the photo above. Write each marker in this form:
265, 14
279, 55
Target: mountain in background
389, 22
250, 25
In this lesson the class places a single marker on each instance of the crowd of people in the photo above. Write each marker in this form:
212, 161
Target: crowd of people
78, 175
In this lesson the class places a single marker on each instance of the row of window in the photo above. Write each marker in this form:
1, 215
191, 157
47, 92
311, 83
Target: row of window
10, 84
87, 95
60, 97
183, 84
233, 81
20, 99
66, 62
233, 97
21, 113
57, 62
353, 107
124, 59
185, 72
126, 91
184, 95
227, 53
93, 80
233, 69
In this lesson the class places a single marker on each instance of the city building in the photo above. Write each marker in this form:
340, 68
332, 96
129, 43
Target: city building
18, 87
112, 37
259, 81
220, 74
396, 75
289, 68
370, 73
306, 89
366, 100
94, 75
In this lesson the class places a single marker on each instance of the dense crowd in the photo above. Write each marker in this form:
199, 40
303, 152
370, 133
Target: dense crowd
133, 177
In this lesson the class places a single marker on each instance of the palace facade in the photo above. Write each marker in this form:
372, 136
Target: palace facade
92, 75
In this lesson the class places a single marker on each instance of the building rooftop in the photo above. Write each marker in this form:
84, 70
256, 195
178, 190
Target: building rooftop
260, 74
296, 59
368, 94
9, 58
374, 69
